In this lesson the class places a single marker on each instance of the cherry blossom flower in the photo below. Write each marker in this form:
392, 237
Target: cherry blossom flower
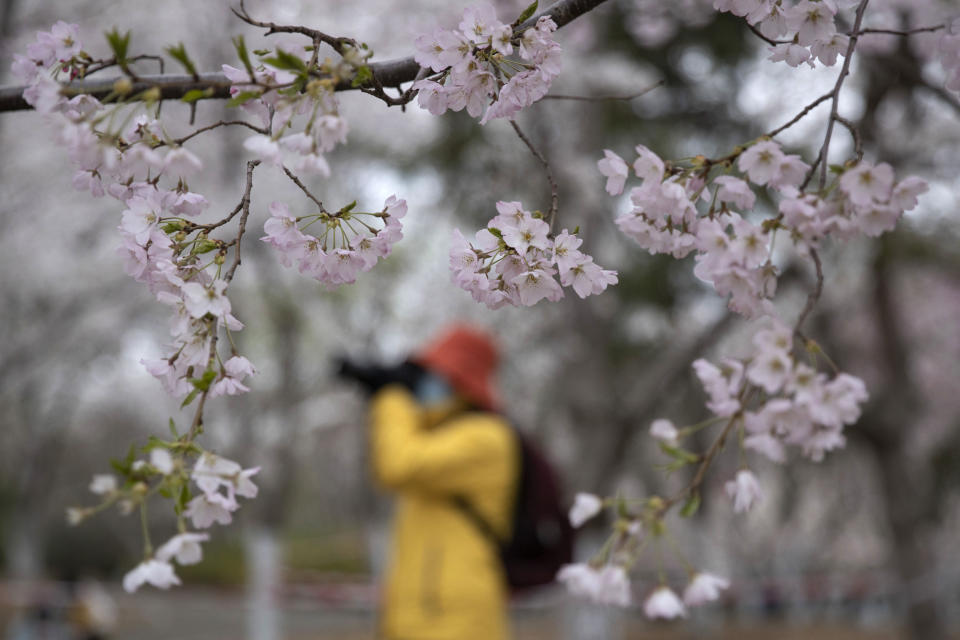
663, 603
761, 162
615, 169
744, 490
200, 300
664, 430
208, 508
159, 573
608, 585
184, 547
703, 588
585, 506
735, 191
235, 370
866, 184
161, 460
103, 484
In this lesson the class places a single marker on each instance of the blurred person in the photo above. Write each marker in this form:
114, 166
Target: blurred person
437, 442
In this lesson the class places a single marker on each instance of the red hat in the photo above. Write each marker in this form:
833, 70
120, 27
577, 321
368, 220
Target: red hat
467, 358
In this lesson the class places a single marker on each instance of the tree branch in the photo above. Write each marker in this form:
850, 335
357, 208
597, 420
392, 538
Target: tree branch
844, 71
391, 73
811, 299
245, 207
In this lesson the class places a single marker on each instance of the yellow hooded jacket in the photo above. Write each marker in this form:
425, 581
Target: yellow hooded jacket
444, 580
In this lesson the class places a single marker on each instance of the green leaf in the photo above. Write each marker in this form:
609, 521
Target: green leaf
286, 61
350, 207
182, 499
203, 382
690, 506
261, 52
576, 230
241, 48
496, 232
179, 53
364, 76
204, 246
837, 168
529, 11
152, 443
242, 97
119, 43
173, 429
189, 398
197, 94
166, 493
680, 454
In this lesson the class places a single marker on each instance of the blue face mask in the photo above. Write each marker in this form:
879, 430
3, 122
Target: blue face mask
433, 390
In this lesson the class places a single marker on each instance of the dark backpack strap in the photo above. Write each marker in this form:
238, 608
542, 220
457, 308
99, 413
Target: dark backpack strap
464, 506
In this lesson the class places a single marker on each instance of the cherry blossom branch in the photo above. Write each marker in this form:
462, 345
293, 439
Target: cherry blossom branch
844, 71
100, 65
339, 44
303, 188
812, 298
222, 123
857, 142
245, 207
216, 86
554, 190
807, 109
769, 41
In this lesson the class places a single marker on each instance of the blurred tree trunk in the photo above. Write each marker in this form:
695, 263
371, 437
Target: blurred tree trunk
910, 496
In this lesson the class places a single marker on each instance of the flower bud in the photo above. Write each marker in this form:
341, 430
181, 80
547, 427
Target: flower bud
123, 86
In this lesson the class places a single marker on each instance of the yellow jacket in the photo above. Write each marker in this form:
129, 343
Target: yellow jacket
444, 580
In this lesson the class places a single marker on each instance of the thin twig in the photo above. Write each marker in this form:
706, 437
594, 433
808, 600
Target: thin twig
339, 44
554, 190
765, 38
222, 123
705, 463
825, 148
632, 96
303, 188
807, 109
857, 142
100, 65
894, 32
245, 207
812, 298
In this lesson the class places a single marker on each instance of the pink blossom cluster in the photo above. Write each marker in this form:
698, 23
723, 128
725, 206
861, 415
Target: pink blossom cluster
303, 151
733, 253
867, 201
609, 583
342, 245
220, 482
161, 248
515, 261
474, 68
605, 580
808, 27
795, 404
